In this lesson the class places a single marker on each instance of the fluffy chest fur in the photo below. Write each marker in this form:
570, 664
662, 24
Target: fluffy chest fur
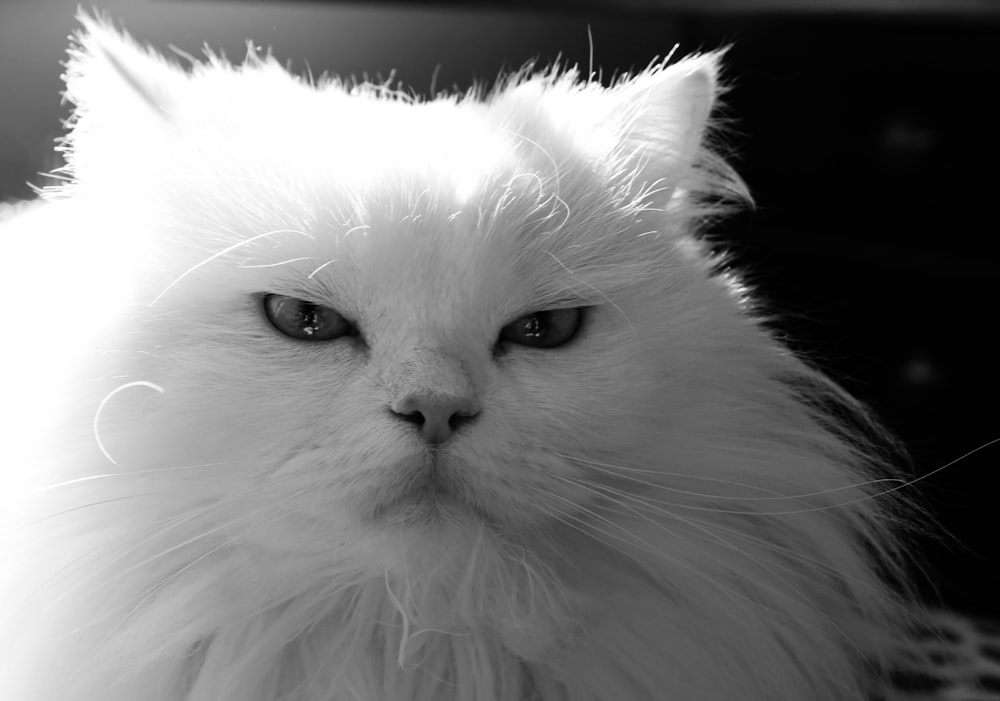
413, 492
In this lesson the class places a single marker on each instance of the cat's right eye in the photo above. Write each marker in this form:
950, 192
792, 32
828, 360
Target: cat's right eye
304, 320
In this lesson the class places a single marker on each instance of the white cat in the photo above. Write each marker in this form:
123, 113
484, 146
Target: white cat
321, 392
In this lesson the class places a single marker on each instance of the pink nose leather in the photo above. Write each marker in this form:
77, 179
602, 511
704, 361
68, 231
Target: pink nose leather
433, 391
437, 415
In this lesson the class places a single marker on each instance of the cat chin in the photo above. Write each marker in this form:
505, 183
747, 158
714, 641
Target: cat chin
435, 534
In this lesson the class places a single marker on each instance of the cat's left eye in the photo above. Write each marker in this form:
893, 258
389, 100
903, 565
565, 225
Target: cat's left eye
546, 329
304, 320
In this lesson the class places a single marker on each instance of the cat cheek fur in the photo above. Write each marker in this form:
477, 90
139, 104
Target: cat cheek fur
197, 508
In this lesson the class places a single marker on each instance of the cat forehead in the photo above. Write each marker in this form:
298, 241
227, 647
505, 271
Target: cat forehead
445, 204
372, 180
422, 201
511, 237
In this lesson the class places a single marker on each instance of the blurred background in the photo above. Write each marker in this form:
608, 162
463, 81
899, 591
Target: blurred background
866, 129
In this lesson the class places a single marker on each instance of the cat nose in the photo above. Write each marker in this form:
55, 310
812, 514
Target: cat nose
437, 416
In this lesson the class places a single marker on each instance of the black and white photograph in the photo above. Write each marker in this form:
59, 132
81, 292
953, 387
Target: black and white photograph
555, 350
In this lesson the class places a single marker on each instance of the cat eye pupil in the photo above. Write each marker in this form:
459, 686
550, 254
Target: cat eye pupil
306, 321
545, 329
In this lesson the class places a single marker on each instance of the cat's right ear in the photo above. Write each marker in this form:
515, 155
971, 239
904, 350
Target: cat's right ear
123, 95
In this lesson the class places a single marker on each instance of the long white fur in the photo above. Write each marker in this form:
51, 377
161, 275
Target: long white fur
671, 507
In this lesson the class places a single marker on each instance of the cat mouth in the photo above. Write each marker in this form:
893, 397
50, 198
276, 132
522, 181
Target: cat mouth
429, 496
427, 503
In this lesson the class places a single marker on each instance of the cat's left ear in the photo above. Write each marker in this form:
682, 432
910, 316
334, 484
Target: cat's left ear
662, 115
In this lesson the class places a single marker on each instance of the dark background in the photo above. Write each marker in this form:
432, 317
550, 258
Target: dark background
867, 132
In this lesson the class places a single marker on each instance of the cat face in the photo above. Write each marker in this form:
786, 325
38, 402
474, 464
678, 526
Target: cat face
363, 314
324, 391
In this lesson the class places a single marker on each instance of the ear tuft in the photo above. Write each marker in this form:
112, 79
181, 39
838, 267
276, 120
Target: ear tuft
108, 72
126, 99
668, 108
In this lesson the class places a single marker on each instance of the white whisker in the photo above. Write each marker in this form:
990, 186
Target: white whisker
313, 273
129, 474
219, 254
273, 265
616, 471
786, 512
